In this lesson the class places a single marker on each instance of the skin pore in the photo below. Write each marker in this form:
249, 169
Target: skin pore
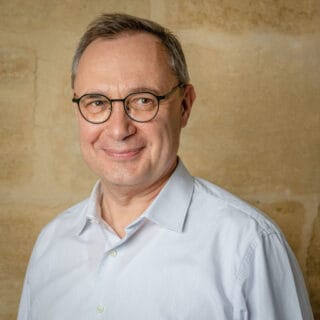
134, 160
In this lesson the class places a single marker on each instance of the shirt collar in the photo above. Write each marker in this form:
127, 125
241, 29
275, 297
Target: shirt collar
91, 212
169, 209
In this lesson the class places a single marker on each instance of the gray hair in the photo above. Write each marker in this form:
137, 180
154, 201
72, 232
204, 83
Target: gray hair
109, 26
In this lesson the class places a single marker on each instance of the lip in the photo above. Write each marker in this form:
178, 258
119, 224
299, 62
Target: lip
123, 154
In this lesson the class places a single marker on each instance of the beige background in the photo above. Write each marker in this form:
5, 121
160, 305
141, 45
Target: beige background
254, 128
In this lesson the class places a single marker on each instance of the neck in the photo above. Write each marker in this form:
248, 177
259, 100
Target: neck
121, 206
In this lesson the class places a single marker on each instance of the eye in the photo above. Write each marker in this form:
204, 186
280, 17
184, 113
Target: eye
95, 103
143, 102
96, 106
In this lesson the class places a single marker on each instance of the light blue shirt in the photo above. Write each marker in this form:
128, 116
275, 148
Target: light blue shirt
197, 253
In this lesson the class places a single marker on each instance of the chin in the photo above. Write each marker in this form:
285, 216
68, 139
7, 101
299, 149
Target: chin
122, 176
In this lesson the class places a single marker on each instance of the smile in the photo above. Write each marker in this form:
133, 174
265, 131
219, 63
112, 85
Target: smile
126, 154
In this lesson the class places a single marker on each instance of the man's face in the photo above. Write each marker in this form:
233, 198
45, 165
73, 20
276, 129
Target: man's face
125, 153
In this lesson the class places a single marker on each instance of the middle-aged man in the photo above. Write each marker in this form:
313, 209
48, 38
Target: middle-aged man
152, 242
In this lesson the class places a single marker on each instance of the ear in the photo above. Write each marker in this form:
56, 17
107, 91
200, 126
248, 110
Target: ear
75, 107
188, 98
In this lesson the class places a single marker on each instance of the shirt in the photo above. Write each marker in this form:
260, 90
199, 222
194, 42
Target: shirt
197, 252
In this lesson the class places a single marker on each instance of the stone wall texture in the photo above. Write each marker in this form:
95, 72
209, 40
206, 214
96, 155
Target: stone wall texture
254, 128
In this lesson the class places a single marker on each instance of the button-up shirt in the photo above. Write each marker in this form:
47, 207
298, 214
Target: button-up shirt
196, 253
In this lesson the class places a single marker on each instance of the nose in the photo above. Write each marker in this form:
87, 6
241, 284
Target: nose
119, 126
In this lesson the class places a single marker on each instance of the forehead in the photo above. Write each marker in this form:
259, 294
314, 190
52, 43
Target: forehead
130, 57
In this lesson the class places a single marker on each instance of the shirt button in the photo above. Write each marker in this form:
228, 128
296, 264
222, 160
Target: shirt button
113, 253
100, 308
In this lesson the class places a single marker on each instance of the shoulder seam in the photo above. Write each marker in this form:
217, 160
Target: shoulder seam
247, 258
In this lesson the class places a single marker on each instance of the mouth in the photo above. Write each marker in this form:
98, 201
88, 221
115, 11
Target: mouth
126, 154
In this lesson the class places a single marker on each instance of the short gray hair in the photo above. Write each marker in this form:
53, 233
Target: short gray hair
110, 26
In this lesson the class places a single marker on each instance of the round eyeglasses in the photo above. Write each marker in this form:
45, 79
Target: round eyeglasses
139, 106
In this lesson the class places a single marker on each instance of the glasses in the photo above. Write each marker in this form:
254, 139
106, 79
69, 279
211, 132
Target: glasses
139, 106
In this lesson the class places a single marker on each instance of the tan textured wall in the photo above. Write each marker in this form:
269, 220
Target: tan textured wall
254, 128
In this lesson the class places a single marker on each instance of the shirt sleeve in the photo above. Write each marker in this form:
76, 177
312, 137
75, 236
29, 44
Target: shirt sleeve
270, 284
25, 300
24, 306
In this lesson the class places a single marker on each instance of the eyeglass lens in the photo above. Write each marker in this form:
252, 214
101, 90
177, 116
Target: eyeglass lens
138, 106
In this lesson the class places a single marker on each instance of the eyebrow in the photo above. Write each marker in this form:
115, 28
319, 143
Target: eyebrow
144, 89
130, 91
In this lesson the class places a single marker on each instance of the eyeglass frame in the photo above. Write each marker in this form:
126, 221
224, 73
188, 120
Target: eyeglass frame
159, 98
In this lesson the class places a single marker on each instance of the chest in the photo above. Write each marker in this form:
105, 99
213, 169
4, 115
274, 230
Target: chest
157, 276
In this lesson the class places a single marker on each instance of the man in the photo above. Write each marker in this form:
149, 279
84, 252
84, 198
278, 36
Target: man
152, 242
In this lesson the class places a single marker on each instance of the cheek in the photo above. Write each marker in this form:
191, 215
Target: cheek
87, 134
173, 125
166, 138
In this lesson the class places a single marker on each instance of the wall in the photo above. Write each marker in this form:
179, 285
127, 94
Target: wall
254, 128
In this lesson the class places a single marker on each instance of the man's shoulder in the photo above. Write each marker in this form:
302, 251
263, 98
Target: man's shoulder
229, 208
67, 218
231, 225
65, 223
